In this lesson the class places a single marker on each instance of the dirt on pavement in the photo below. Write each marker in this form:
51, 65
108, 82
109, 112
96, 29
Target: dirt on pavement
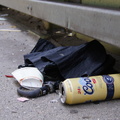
15, 41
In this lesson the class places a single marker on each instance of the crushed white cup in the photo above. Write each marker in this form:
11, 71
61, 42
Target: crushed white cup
29, 77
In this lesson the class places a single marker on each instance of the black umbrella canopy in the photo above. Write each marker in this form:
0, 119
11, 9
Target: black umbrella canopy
60, 63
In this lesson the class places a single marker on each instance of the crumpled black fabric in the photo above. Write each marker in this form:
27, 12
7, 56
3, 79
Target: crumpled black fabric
59, 63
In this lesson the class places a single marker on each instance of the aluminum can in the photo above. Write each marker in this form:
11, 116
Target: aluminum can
89, 89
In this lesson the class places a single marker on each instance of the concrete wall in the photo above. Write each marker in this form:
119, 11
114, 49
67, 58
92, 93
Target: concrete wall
98, 23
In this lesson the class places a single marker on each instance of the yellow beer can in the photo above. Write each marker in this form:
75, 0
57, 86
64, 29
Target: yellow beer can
89, 89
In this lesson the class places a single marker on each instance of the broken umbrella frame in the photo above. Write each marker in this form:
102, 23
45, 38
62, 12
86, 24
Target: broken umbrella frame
47, 88
59, 63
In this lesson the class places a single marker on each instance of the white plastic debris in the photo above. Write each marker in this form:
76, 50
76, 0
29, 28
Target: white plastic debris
29, 77
22, 99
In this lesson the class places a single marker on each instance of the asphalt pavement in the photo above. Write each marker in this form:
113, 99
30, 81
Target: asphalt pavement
15, 41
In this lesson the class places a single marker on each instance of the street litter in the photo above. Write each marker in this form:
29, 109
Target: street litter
22, 99
33, 93
89, 89
60, 63
70, 34
9, 76
70, 65
29, 77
